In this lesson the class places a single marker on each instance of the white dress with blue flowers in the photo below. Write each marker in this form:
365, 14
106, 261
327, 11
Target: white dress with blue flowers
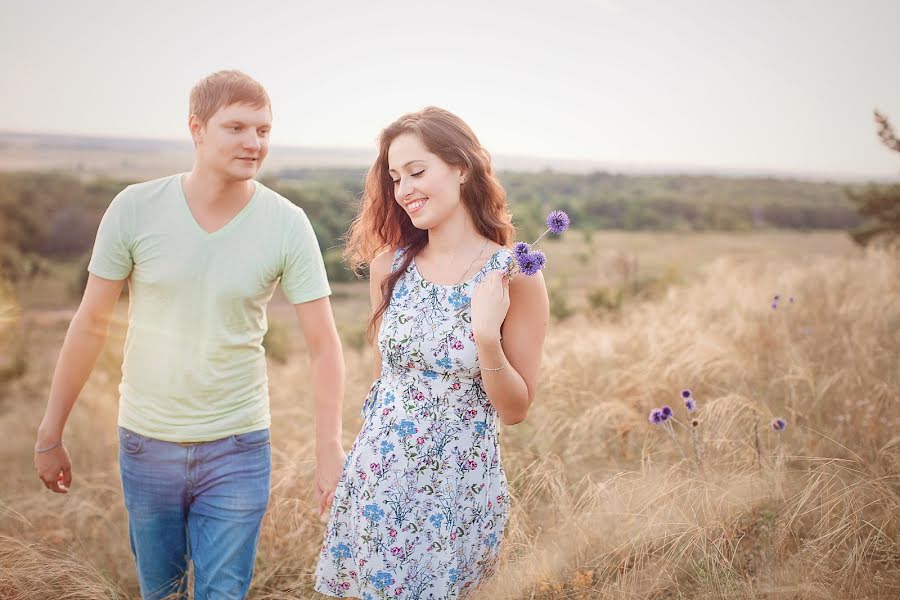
421, 505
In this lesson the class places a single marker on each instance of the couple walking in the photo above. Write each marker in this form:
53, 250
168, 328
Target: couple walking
418, 506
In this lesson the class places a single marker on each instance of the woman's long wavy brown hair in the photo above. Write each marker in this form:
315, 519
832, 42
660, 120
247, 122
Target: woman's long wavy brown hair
382, 224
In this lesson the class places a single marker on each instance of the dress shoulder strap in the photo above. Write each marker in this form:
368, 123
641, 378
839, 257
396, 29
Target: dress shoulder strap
398, 258
501, 259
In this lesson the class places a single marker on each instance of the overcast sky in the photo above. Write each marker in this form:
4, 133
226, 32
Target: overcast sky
771, 85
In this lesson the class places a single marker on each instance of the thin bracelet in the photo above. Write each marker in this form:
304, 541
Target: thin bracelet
48, 448
497, 369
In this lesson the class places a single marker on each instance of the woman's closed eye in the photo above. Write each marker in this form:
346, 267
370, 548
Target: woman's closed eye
417, 174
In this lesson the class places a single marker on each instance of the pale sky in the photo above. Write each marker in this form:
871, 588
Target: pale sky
785, 86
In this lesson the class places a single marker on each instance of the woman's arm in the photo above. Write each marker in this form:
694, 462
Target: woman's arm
509, 368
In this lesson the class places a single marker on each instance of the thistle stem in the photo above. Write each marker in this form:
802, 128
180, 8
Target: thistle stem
695, 441
540, 236
671, 431
778, 455
680, 424
756, 443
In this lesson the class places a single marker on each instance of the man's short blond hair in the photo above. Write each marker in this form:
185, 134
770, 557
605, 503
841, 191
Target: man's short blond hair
224, 88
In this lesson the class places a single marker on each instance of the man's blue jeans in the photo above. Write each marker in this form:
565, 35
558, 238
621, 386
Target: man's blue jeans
202, 502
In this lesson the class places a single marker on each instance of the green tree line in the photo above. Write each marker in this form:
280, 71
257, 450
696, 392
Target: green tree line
48, 216
879, 205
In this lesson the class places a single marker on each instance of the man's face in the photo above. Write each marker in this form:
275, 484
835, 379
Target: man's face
234, 141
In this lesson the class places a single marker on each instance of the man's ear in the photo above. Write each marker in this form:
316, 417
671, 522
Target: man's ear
196, 128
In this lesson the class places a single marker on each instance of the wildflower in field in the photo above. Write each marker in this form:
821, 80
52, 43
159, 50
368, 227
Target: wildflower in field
778, 425
777, 298
660, 415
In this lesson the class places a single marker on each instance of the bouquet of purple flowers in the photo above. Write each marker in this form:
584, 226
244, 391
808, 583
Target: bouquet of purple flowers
529, 261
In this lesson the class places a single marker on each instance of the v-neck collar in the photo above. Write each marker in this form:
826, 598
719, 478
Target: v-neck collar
231, 224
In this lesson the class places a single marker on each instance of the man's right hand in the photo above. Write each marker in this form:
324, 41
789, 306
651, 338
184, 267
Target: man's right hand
83, 343
55, 469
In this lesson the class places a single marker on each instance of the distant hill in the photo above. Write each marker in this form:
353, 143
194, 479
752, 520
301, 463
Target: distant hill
125, 158
135, 158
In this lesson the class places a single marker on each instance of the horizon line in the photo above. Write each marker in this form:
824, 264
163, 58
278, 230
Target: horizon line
559, 164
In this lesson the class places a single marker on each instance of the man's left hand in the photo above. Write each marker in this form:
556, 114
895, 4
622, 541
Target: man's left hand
329, 466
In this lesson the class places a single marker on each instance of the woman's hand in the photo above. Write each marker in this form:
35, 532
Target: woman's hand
490, 303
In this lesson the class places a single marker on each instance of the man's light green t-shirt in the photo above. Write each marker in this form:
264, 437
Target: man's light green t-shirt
194, 366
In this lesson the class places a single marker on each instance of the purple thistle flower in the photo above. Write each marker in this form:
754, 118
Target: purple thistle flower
791, 299
776, 298
779, 424
774, 305
690, 405
558, 221
686, 394
531, 263
666, 412
521, 249
527, 264
656, 416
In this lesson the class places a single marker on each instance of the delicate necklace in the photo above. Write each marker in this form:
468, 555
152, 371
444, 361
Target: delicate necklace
480, 252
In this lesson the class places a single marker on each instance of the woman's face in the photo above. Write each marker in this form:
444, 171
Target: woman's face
426, 187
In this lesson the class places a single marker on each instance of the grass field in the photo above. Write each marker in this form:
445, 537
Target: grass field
605, 505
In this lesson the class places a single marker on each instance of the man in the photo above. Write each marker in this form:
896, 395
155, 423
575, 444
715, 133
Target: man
202, 252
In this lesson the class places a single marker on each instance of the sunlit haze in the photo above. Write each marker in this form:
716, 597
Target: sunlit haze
766, 86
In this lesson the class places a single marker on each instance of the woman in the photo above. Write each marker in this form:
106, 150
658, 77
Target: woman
420, 508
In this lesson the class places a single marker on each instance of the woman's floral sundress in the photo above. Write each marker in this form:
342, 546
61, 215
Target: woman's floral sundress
421, 505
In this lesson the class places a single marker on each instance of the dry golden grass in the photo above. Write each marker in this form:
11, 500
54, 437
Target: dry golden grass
605, 505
